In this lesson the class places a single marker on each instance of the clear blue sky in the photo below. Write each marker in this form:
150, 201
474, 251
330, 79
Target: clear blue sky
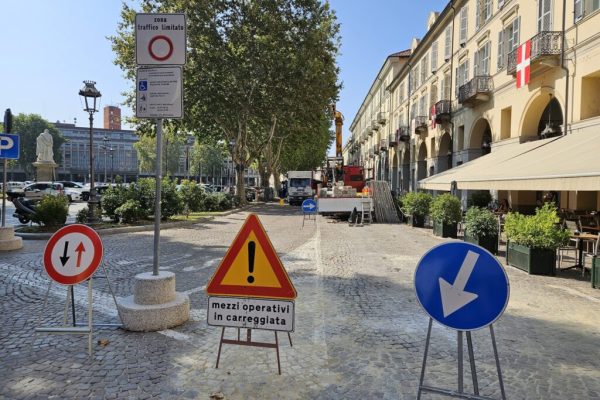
50, 47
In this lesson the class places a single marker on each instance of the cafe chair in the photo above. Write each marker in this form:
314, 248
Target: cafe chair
590, 254
575, 227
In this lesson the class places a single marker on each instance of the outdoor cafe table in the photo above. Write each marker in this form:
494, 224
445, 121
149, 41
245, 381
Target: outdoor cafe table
581, 237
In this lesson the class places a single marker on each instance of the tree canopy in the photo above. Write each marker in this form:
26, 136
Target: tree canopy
259, 74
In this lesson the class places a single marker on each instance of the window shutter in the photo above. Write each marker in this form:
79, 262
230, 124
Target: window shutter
434, 56
466, 76
476, 63
516, 32
500, 63
500, 4
448, 43
578, 10
478, 14
463, 24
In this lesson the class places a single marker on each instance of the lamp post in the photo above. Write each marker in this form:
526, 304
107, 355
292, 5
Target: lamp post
188, 143
91, 95
112, 163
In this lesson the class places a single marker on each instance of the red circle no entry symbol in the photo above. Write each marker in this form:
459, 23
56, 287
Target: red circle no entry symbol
161, 41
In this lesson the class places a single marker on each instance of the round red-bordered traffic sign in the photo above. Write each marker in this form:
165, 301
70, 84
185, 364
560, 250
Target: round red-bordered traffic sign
169, 43
73, 254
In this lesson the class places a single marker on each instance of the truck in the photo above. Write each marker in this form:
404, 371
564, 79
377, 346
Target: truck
300, 186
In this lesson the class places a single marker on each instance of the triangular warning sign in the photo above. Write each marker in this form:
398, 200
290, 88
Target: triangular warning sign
251, 267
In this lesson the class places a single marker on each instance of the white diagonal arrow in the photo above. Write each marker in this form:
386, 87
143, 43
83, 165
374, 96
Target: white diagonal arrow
454, 296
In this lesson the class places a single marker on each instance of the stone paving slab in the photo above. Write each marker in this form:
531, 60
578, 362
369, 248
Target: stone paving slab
359, 333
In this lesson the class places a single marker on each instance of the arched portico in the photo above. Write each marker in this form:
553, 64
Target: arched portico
444, 159
395, 178
405, 181
422, 162
480, 140
543, 109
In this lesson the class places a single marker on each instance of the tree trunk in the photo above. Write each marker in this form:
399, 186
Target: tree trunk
240, 187
277, 181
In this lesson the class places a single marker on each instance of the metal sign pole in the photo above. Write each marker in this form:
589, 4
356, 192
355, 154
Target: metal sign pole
4, 193
158, 178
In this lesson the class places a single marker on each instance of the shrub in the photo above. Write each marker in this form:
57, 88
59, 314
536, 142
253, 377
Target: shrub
130, 211
480, 198
224, 201
192, 195
51, 211
481, 222
539, 231
211, 202
417, 203
445, 209
82, 216
144, 191
112, 198
171, 203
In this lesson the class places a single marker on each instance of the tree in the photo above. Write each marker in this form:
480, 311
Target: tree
146, 150
253, 66
28, 127
206, 158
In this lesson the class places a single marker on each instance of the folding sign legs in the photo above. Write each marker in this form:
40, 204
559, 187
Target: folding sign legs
460, 392
249, 342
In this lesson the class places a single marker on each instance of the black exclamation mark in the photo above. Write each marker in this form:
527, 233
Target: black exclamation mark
251, 250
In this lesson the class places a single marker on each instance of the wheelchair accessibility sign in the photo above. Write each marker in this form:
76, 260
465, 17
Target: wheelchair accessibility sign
143, 86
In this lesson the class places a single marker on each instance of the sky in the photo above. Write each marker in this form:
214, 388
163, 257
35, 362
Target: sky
50, 47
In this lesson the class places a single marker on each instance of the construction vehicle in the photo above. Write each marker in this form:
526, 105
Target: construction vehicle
299, 186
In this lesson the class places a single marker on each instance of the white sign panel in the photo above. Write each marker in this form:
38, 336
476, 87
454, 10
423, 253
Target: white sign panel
236, 312
159, 93
160, 39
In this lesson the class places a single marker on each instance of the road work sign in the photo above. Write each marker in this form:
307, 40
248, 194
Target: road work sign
73, 254
461, 286
236, 312
9, 146
159, 93
160, 39
251, 267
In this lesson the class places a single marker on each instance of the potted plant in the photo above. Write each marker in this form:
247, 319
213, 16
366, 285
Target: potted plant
533, 240
596, 272
445, 213
481, 228
416, 207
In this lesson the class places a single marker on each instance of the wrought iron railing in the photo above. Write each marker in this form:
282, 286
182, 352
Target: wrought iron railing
421, 122
443, 107
383, 144
477, 85
403, 134
546, 43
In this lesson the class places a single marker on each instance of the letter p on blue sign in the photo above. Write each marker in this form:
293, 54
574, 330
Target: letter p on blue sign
9, 146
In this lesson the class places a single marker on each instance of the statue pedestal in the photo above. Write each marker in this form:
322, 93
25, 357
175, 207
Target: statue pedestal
8, 240
45, 170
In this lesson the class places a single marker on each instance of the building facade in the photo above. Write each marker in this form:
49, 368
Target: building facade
492, 77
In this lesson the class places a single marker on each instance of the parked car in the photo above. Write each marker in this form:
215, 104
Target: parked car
100, 189
12, 186
73, 190
37, 190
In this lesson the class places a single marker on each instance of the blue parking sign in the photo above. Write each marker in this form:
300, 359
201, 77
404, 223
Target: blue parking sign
9, 146
461, 286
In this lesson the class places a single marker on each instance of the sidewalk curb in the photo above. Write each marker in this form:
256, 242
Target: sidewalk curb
141, 228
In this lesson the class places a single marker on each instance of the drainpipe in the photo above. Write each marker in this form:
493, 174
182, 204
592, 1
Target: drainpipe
411, 184
564, 67
452, 86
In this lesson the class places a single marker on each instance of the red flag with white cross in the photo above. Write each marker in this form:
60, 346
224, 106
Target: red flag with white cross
523, 64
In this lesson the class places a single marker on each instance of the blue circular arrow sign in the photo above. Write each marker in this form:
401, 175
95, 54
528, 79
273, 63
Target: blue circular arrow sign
309, 206
461, 286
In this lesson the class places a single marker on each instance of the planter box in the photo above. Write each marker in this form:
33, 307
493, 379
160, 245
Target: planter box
490, 243
532, 261
445, 230
596, 272
416, 221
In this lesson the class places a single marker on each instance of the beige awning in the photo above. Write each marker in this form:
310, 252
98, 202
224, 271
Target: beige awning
481, 165
570, 162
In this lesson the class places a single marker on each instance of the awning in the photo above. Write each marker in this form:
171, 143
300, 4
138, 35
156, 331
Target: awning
569, 163
481, 165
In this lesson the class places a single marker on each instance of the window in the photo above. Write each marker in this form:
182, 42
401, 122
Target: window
423, 105
448, 43
424, 67
464, 15
500, 4
508, 40
483, 12
415, 77
482, 61
544, 15
433, 94
446, 84
585, 7
434, 56
462, 75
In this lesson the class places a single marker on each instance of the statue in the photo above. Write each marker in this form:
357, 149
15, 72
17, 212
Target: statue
44, 147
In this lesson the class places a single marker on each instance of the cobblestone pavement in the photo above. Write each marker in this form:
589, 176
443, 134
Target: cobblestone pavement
359, 334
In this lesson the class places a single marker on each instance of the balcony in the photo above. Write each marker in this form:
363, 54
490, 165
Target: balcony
545, 50
382, 117
376, 149
421, 124
403, 134
383, 144
374, 125
476, 91
393, 139
371, 153
442, 111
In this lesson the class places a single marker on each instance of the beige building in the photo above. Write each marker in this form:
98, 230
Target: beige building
454, 97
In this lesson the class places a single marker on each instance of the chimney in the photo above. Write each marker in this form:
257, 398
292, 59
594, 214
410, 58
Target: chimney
112, 118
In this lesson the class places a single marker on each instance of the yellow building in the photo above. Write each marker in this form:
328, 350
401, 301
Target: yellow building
454, 97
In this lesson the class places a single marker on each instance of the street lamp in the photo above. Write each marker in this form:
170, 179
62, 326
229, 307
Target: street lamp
91, 95
189, 142
112, 163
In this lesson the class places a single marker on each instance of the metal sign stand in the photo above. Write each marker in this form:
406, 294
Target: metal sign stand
249, 342
460, 394
79, 328
307, 216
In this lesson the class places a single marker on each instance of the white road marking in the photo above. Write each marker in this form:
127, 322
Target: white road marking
576, 293
174, 334
199, 289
